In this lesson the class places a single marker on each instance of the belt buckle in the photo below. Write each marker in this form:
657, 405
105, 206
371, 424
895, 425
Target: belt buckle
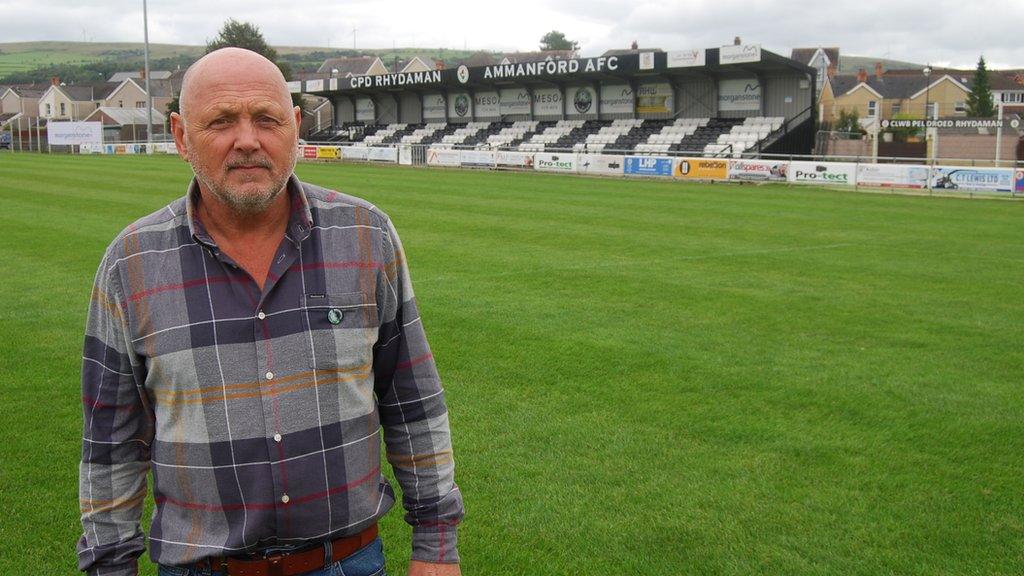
275, 565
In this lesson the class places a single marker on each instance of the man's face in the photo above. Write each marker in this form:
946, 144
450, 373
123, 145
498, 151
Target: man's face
240, 136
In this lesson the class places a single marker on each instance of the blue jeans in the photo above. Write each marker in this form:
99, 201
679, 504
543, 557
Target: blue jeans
367, 561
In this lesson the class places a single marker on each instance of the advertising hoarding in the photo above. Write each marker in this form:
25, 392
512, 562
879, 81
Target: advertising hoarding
443, 157
606, 164
972, 179
758, 170
476, 158
736, 94
655, 99
647, 166
892, 175
702, 168
555, 162
74, 133
514, 159
836, 173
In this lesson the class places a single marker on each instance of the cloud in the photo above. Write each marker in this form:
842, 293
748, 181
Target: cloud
937, 31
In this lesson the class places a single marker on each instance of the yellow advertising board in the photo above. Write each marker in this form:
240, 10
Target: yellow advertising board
328, 152
702, 168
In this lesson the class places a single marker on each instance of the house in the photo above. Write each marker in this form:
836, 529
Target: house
1008, 88
824, 60
119, 77
18, 102
75, 102
131, 93
895, 93
352, 66
126, 124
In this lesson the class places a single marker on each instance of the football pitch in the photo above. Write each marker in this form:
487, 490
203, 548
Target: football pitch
643, 377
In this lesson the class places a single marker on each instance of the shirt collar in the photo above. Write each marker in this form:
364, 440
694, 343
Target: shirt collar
300, 221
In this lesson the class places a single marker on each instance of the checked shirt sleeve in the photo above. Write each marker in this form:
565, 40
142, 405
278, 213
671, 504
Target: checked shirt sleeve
414, 416
116, 437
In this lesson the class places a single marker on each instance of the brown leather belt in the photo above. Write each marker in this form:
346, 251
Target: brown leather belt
292, 563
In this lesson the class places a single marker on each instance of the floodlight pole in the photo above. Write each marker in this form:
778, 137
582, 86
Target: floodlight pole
149, 93
999, 135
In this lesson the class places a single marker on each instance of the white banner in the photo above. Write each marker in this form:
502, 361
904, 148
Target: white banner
616, 99
356, 153
74, 133
980, 179
892, 175
364, 110
739, 94
647, 60
295, 86
600, 164
655, 99
405, 155
433, 107
516, 159
555, 162
686, 58
514, 101
758, 170
442, 157
840, 173
487, 105
582, 100
477, 158
315, 85
547, 102
382, 154
739, 54
460, 106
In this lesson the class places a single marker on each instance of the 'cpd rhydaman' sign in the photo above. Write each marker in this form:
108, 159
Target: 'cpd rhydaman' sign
388, 80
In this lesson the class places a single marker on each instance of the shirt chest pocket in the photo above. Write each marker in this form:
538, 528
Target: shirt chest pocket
343, 329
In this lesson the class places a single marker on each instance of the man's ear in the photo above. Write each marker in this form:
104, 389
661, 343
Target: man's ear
178, 130
298, 119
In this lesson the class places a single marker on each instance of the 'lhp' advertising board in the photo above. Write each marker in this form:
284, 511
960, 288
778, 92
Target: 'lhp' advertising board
648, 166
837, 173
702, 169
758, 170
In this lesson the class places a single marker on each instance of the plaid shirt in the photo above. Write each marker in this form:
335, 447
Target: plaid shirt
259, 412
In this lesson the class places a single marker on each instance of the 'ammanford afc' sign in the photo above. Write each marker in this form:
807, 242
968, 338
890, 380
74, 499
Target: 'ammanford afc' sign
552, 67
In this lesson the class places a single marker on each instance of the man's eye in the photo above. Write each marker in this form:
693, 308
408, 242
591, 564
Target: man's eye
267, 120
220, 122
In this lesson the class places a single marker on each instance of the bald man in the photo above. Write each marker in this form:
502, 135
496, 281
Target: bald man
252, 343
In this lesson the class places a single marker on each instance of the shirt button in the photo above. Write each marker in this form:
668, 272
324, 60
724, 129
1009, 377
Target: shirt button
285, 498
261, 315
277, 437
270, 375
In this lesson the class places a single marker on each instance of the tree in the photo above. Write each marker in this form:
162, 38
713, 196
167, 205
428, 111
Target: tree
849, 122
979, 101
556, 40
242, 35
248, 36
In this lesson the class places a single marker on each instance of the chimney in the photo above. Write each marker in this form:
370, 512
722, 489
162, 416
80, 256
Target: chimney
831, 70
878, 70
862, 75
736, 41
440, 64
55, 80
142, 74
634, 46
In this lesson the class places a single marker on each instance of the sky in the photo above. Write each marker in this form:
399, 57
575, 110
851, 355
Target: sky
938, 32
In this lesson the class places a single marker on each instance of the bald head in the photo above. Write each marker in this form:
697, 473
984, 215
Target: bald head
230, 67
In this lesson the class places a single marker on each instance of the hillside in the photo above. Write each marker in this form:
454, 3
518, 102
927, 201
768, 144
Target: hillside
25, 62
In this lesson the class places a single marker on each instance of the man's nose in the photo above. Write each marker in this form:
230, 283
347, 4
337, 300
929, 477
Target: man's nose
247, 135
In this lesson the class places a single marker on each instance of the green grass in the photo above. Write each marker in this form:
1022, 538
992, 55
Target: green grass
643, 377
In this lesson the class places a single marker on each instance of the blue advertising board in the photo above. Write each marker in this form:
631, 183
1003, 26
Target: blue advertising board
648, 166
1018, 182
